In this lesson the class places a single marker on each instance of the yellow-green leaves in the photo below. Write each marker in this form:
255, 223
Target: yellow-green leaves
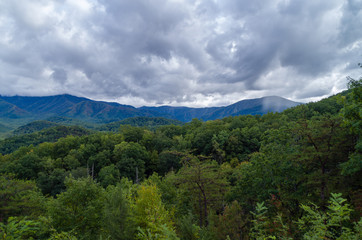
150, 214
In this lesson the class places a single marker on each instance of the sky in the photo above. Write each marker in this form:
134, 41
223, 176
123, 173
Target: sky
199, 53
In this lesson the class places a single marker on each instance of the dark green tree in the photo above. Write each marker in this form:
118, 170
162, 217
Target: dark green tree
117, 218
324, 145
109, 175
205, 183
353, 118
18, 198
79, 209
131, 159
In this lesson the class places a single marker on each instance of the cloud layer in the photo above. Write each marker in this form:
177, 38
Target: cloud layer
179, 52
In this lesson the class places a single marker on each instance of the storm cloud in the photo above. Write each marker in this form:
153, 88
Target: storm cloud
190, 53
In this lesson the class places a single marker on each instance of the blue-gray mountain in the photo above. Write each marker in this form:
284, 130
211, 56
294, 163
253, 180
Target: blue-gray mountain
244, 107
18, 107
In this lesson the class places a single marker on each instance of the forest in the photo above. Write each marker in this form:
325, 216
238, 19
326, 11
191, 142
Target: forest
289, 175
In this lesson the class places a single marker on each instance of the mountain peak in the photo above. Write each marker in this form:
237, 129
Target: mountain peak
67, 105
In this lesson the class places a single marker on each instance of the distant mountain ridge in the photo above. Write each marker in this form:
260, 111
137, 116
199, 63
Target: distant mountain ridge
70, 106
64, 105
250, 106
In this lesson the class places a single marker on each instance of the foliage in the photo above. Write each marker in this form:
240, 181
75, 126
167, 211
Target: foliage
353, 118
117, 221
333, 224
18, 197
200, 180
33, 127
324, 145
52, 134
231, 223
150, 215
148, 122
188, 228
79, 208
19, 229
130, 159
109, 175
205, 183
63, 236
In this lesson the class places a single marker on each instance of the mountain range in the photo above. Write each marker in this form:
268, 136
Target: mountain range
17, 107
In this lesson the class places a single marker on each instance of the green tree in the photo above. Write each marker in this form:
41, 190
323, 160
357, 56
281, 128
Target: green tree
264, 227
109, 175
332, 224
260, 224
52, 182
28, 165
160, 142
231, 223
188, 228
62, 236
203, 135
62, 147
169, 161
218, 144
242, 142
17, 229
353, 118
325, 144
100, 160
205, 183
130, 159
131, 134
117, 220
78, 209
19, 198
150, 215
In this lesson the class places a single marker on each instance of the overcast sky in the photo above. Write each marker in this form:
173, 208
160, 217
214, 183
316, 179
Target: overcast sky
179, 52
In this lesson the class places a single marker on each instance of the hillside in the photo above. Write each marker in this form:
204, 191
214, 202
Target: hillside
10, 110
275, 176
64, 105
83, 108
51, 134
4, 129
33, 127
148, 122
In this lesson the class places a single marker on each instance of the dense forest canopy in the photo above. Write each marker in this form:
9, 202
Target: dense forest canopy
289, 175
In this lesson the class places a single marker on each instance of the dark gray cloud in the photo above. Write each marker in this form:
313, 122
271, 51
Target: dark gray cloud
59, 75
194, 53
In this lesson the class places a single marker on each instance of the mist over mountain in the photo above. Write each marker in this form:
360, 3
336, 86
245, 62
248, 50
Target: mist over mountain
18, 107
244, 107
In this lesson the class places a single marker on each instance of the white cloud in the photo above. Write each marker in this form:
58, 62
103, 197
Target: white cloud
194, 53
